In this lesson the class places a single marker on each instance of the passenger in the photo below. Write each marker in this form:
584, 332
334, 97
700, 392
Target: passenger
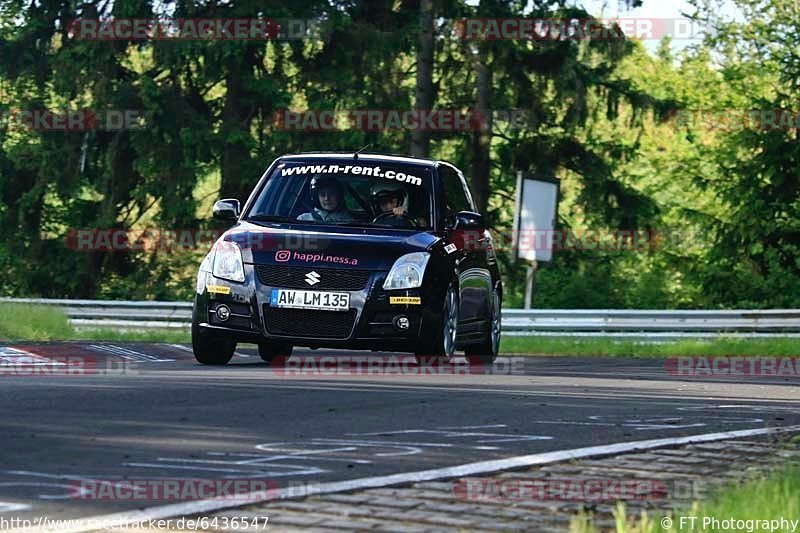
327, 195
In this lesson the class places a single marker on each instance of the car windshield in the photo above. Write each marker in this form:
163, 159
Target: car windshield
364, 192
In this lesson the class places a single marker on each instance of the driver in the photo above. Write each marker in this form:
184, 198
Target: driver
327, 196
390, 201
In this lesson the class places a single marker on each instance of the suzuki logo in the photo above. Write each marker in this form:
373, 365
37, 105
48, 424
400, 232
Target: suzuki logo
312, 278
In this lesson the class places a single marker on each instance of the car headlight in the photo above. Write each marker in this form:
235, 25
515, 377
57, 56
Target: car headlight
407, 271
205, 266
228, 262
203, 271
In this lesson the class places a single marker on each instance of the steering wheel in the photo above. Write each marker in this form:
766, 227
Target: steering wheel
404, 216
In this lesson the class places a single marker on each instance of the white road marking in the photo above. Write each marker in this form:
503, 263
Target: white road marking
70, 488
305, 454
638, 427
10, 507
89, 478
402, 448
17, 357
490, 426
648, 424
40, 474
260, 463
491, 437
8, 351
469, 469
257, 462
127, 354
66, 495
180, 347
286, 452
289, 469
362, 442
756, 408
296, 455
316, 458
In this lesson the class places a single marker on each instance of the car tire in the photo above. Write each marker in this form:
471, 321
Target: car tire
486, 352
445, 344
211, 350
272, 349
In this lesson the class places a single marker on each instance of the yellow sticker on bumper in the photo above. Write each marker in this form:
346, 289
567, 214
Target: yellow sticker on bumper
407, 300
218, 289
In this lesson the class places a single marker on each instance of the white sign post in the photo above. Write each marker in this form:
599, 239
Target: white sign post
534, 224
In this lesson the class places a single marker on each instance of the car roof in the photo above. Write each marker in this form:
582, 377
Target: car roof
363, 156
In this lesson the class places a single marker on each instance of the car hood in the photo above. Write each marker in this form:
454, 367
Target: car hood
342, 247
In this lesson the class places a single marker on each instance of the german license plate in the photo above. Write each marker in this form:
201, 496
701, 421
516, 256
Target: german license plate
322, 300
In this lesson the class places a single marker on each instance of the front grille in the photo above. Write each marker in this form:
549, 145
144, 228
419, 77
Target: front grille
329, 278
309, 322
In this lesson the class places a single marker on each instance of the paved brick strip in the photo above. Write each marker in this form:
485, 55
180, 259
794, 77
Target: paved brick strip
683, 473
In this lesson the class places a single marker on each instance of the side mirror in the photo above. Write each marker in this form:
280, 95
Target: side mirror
227, 209
469, 220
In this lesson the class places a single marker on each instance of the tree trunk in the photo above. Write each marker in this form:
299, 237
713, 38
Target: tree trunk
235, 129
420, 140
482, 137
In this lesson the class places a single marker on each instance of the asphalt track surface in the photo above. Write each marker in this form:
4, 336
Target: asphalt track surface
166, 417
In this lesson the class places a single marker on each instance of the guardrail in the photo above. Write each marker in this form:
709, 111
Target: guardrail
529, 322
651, 325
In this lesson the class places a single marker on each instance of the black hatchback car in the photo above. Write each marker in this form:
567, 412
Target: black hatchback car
356, 251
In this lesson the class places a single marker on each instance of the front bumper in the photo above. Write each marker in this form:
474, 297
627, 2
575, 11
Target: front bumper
373, 321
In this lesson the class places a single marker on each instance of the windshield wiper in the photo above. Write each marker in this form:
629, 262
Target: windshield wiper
368, 225
270, 218
352, 224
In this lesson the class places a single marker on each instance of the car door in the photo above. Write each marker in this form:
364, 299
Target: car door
474, 276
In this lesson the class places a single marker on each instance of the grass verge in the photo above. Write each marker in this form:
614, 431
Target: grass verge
34, 322
180, 336
25, 322
756, 503
617, 348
